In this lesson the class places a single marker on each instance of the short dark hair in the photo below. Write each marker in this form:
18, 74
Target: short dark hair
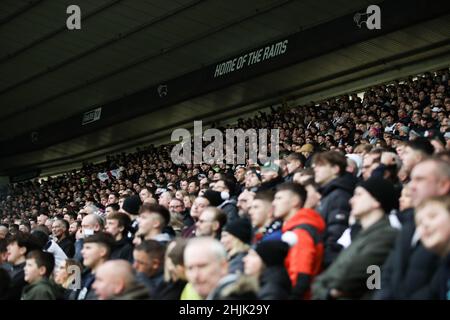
122, 218
156, 208
3, 245
113, 206
43, 259
152, 248
115, 194
229, 184
102, 238
297, 156
65, 223
23, 240
264, 196
332, 158
422, 145
295, 188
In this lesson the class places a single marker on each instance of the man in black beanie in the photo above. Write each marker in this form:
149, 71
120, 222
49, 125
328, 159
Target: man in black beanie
236, 238
347, 276
131, 206
266, 262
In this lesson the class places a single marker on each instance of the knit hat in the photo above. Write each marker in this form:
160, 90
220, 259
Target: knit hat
214, 197
270, 166
272, 252
383, 191
240, 228
132, 204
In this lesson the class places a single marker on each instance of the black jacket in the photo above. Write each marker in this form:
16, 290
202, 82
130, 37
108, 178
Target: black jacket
187, 219
151, 283
123, 249
86, 292
271, 185
67, 246
170, 290
410, 272
335, 210
274, 284
17, 283
236, 263
230, 209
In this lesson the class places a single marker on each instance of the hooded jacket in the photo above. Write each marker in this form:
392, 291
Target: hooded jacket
335, 209
304, 259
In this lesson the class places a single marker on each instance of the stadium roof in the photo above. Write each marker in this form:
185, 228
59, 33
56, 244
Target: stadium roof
155, 65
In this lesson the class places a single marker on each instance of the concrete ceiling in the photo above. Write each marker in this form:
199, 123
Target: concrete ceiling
50, 74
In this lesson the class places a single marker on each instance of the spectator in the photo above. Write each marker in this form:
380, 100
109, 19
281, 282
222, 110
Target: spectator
65, 276
113, 198
410, 269
91, 224
3, 231
96, 251
148, 262
4, 264
226, 188
266, 263
178, 211
236, 238
415, 151
347, 275
60, 231
206, 265
253, 179
42, 219
38, 268
371, 161
265, 226
18, 247
114, 280
244, 201
271, 177
303, 229
239, 175
153, 218
110, 208
131, 207
200, 203
336, 188
165, 198
117, 225
433, 225
145, 195
174, 272
210, 223
295, 162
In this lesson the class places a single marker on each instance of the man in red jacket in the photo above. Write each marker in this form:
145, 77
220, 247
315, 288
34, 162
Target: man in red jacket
302, 229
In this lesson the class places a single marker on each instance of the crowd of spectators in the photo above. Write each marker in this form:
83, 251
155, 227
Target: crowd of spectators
355, 207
